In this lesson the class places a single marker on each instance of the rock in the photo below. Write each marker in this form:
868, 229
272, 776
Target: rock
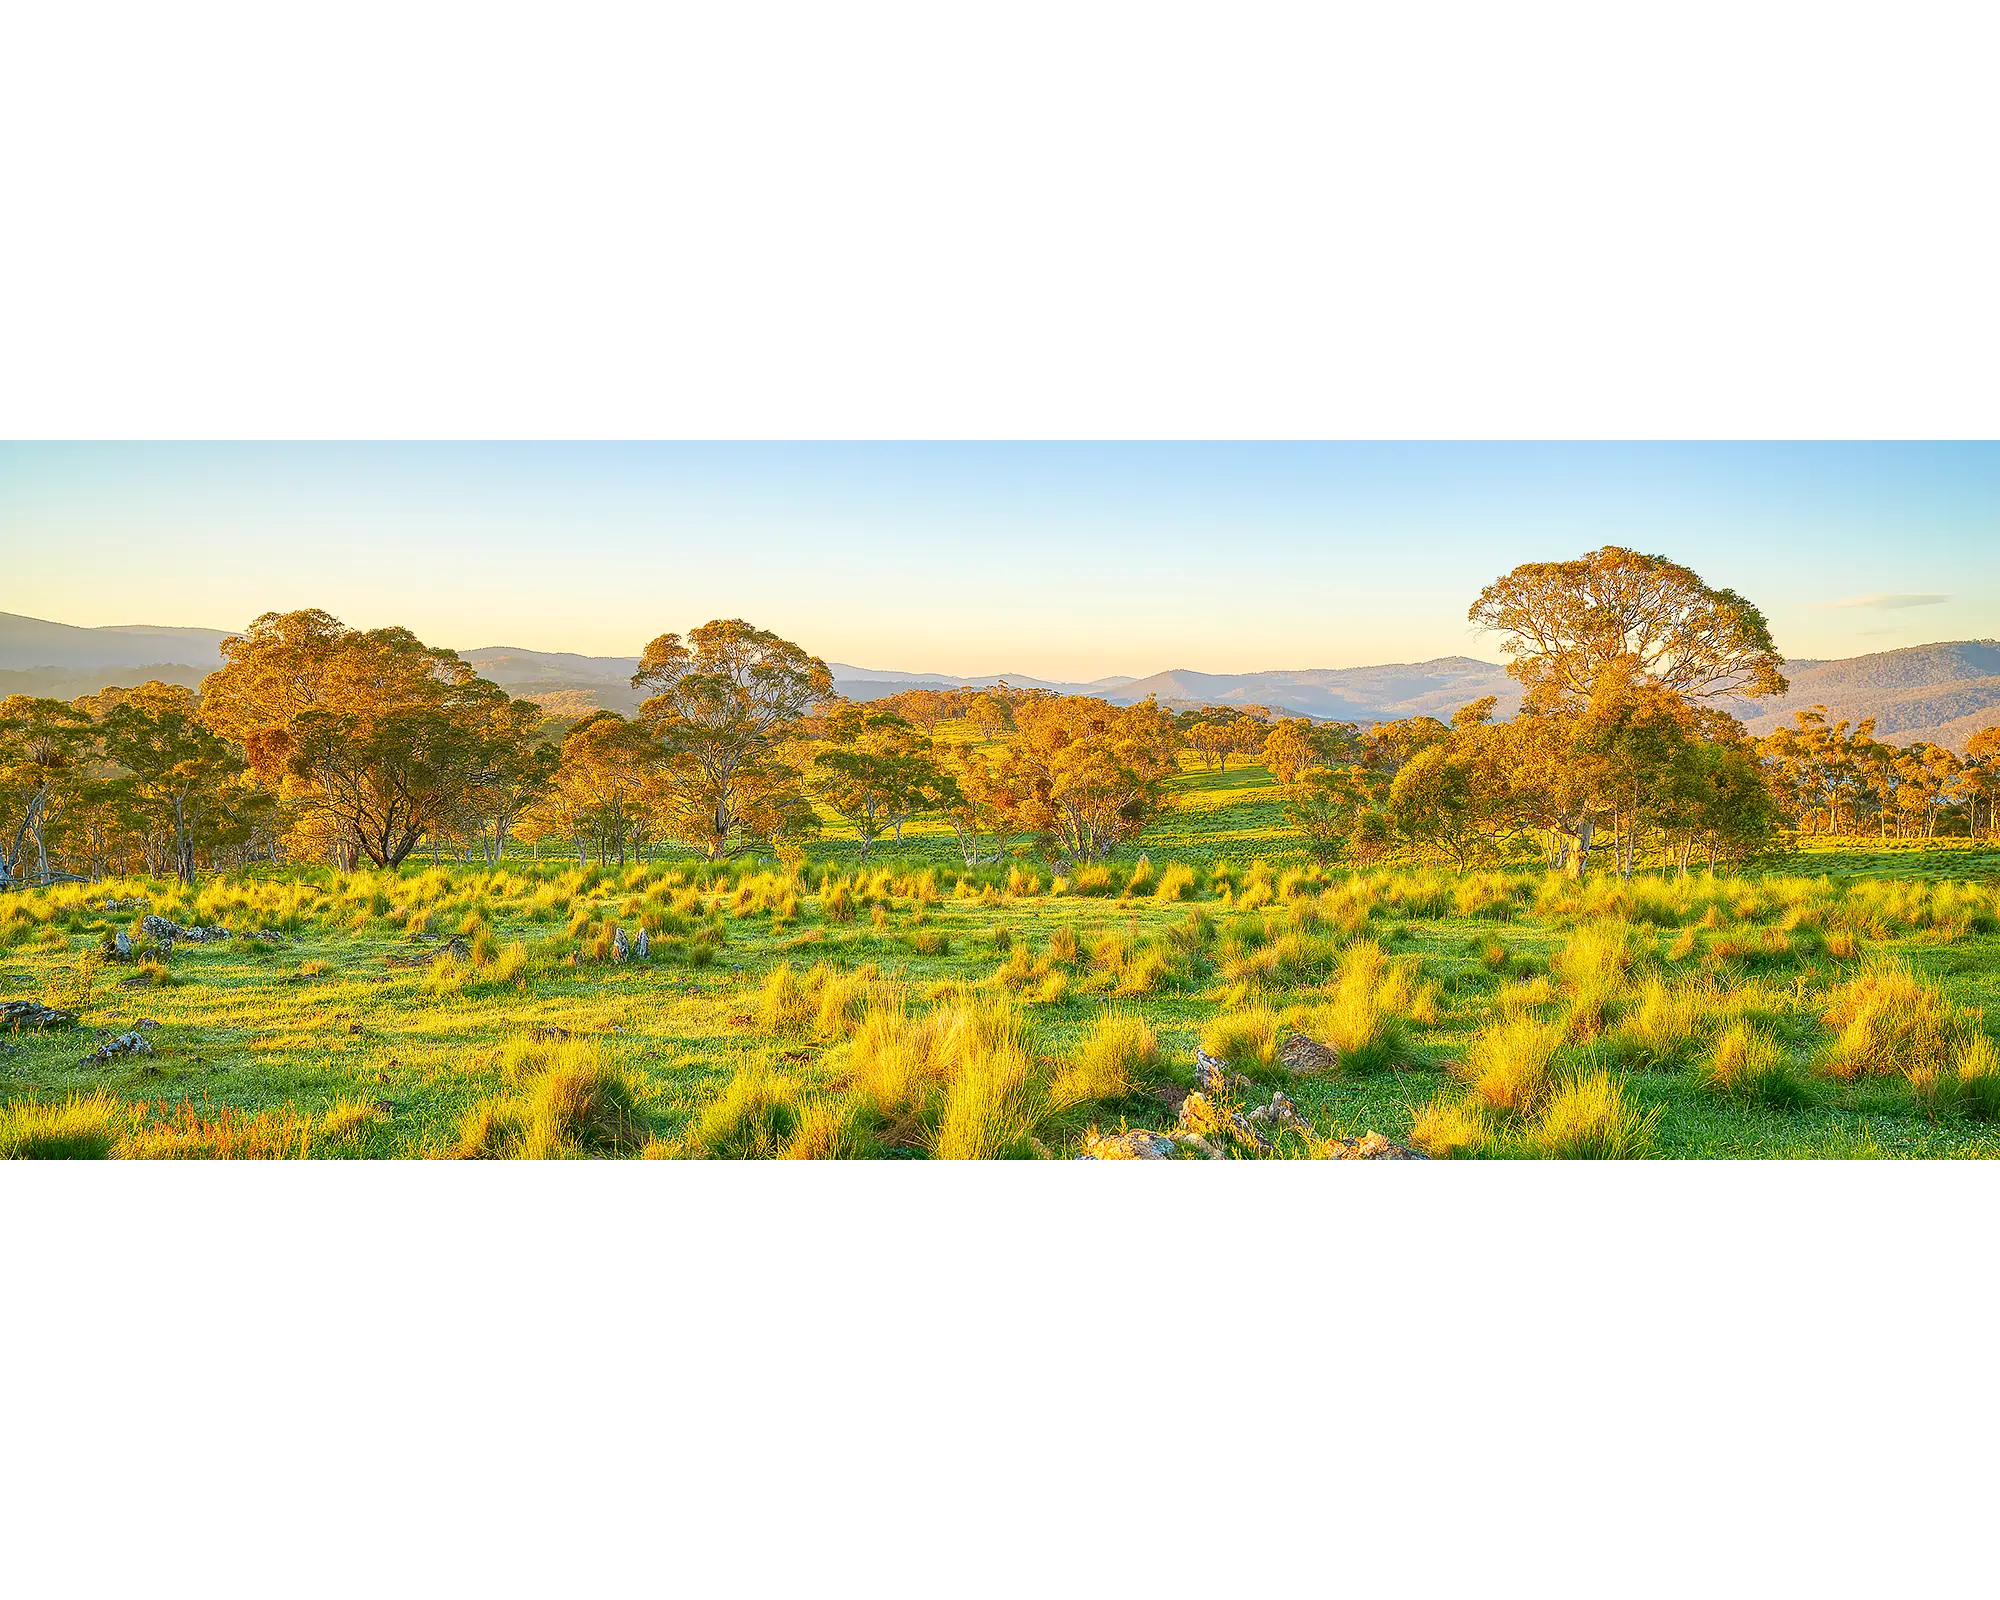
620, 947
1211, 1077
1371, 1146
643, 946
551, 1034
268, 935
1135, 1144
32, 1014
121, 945
126, 1044
384, 1107
1305, 1056
165, 932
147, 1022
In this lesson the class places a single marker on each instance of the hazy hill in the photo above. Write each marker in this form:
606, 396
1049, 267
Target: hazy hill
27, 643
1940, 692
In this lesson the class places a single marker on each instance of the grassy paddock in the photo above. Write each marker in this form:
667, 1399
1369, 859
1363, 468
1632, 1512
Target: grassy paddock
1838, 1006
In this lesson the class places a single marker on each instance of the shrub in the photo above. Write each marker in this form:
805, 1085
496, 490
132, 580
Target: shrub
756, 1117
581, 1107
784, 1005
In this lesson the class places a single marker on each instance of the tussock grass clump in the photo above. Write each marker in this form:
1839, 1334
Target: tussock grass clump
1063, 947
1120, 1054
1176, 882
1749, 1064
756, 1117
1589, 1118
81, 1128
1371, 1001
1889, 1022
1247, 1038
1446, 1128
582, 1107
1510, 1065
1663, 1026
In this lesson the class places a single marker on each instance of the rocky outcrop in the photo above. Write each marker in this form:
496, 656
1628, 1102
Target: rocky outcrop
33, 1016
126, 1044
163, 931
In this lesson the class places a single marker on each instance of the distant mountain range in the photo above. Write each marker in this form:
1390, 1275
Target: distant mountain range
1939, 692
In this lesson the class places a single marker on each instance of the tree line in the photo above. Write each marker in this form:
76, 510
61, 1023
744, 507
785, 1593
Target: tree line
319, 742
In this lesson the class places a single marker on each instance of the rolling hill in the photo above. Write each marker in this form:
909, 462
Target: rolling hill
1943, 693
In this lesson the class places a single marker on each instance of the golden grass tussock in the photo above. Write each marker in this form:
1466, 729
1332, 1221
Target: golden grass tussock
1591, 1118
1747, 1063
1510, 1065
1888, 1022
1120, 1055
79, 1128
1445, 1128
1247, 1038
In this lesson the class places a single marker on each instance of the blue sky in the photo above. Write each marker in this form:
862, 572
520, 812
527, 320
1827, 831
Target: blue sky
1061, 560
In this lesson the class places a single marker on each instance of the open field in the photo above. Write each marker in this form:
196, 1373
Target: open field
1842, 1006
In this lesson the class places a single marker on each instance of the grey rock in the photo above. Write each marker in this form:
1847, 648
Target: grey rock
121, 942
642, 947
126, 1044
1135, 1144
1304, 1056
33, 1015
621, 948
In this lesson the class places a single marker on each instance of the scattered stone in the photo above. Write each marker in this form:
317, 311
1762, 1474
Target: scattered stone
384, 1107
136, 904
1305, 1057
147, 1022
32, 1014
642, 947
126, 1044
1371, 1146
1135, 1144
354, 1027
267, 935
1211, 1077
551, 1034
620, 947
121, 946
162, 931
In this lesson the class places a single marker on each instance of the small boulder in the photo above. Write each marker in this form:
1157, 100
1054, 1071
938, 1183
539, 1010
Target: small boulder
1135, 1144
1372, 1146
1211, 1077
1304, 1057
551, 1034
33, 1015
121, 945
621, 947
642, 947
126, 1044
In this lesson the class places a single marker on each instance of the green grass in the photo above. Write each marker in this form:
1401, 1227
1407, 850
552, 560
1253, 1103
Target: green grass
743, 1035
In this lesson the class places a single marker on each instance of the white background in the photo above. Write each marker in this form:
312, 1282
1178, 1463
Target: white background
1031, 220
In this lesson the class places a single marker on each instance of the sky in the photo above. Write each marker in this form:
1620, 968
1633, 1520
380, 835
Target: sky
1062, 561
